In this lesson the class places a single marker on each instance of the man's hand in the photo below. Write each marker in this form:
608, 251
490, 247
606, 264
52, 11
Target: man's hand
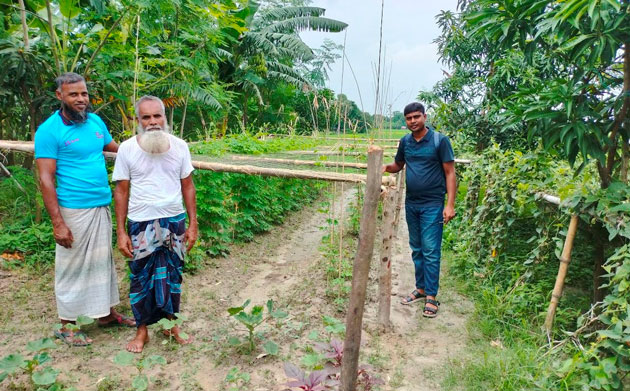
124, 244
190, 237
448, 214
63, 235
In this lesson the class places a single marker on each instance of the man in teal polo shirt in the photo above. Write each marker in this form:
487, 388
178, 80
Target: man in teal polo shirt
69, 148
430, 175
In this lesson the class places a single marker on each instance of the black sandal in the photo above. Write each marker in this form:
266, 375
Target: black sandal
413, 297
432, 312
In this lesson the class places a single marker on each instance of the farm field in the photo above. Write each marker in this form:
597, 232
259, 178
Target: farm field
283, 105
284, 264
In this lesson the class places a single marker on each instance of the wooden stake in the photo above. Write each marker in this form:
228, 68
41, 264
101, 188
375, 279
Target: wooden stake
361, 269
385, 270
565, 259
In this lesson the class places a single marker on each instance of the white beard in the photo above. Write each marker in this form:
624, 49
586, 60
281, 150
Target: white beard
154, 141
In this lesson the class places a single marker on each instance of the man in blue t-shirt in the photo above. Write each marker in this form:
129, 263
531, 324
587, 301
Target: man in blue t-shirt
69, 149
430, 175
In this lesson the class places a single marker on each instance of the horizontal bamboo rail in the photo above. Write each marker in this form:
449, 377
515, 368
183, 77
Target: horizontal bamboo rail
329, 152
299, 162
335, 138
28, 147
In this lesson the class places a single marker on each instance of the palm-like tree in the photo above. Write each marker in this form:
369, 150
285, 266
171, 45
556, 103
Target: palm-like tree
268, 48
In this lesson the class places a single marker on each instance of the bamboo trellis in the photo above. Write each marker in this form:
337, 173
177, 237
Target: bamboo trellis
242, 169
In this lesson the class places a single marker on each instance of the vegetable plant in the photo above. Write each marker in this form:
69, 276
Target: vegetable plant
141, 381
167, 324
82, 320
315, 381
237, 380
252, 320
41, 377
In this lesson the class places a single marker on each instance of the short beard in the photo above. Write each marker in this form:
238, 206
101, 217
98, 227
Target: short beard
77, 117
154, 141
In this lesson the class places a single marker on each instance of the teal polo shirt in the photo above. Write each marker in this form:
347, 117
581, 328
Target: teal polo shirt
426, 182
78, 149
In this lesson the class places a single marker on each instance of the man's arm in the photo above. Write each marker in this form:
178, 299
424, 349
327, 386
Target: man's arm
190, 199
393, 167
121, 197
47, 167
111, 147
451, 189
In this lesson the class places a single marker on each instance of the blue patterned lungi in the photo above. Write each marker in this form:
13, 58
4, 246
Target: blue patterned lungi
156, 267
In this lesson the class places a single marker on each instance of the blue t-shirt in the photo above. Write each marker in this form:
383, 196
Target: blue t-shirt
426, 182
78, 148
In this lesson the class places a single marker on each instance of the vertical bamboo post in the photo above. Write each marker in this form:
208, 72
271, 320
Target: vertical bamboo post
361, 269
565, 259
385, 270
400, 184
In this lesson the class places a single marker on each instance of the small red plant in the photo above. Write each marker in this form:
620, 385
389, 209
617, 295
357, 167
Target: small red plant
333, 351
315, 381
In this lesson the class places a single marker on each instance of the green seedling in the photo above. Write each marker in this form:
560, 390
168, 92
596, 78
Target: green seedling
167, 324
237, 380
141, 381
82, 320
42, 377
334, 326
254, 319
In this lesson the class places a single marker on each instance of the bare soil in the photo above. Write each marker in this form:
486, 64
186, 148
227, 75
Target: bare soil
285, 265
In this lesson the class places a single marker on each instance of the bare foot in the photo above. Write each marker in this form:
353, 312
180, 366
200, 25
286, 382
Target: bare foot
137, 344
174, 332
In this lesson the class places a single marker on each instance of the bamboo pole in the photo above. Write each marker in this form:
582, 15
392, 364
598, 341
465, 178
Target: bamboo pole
565, 259
385, 269
299, 162
243, 169
400, 183
328, 152
361, 269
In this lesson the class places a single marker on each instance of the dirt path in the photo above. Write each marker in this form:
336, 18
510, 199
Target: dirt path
285, 265
420, 347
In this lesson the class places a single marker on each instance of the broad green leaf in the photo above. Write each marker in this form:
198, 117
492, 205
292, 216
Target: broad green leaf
271, 347
621, 208
312, 360
140, 382
234, 341
152, 360
42, 358
68, 8
11, 363
124, 358
83, 320
180, 316
45, 377
41, 344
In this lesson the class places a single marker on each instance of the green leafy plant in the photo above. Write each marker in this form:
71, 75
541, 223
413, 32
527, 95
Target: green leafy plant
237, 380
167, 324
42, 376
82, 320
252, 320
141, 381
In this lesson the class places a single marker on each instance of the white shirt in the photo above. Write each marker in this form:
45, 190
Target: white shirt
156, 190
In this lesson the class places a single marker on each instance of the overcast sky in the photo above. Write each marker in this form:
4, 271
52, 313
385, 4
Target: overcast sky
409, 28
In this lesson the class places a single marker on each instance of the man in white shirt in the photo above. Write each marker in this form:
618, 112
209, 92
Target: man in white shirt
153, 174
